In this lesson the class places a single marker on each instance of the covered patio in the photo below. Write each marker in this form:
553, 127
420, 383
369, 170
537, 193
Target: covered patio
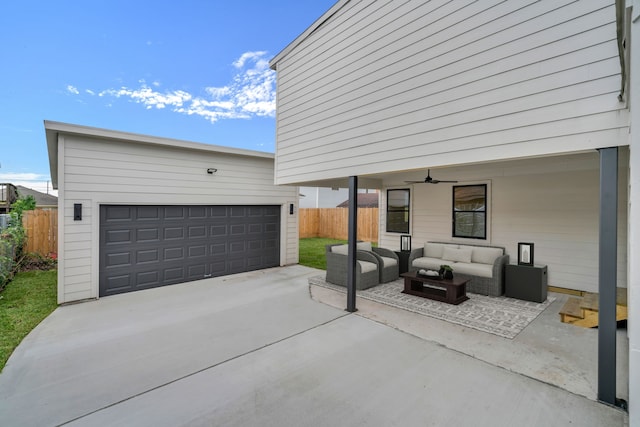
580, 235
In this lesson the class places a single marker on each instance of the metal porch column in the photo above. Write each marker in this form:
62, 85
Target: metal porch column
607, 279
352, 236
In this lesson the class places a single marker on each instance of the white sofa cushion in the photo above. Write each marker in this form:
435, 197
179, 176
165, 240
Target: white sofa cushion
485, 255
462, 254
434, 250
473, 269
427, 263
367, 266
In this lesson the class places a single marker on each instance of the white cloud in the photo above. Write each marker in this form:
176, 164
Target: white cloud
72, 89
250, 93
248, 56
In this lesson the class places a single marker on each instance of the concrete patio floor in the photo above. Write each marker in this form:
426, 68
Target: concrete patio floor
254, 349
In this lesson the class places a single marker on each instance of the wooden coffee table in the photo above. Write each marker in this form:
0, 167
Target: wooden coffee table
453, 291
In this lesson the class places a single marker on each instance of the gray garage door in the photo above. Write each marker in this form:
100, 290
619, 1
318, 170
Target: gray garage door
145, 247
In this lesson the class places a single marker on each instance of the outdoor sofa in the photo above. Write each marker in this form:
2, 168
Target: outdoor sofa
484, 265
373, 265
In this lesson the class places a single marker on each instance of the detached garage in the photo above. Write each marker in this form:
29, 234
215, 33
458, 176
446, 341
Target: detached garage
138, 212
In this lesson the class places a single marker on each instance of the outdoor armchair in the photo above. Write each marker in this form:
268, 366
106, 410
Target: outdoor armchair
367, 267
389, 264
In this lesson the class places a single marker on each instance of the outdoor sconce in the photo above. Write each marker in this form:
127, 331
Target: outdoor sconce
405, 243
77, 211
290, 208
211, 171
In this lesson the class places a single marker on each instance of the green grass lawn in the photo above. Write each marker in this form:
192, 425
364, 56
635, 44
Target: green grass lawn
312, 251
25, 302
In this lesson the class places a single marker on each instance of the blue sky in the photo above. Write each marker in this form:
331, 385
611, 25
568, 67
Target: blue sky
195, 70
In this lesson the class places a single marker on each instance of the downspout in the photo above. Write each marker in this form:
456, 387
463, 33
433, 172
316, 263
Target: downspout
620, 13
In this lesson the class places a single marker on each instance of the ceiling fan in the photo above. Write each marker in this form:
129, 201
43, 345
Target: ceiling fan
428, 180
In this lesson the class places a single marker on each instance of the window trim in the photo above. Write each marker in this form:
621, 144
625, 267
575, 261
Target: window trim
486, 212
407, 210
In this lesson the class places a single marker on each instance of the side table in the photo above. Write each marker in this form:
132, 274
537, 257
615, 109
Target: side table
526, 282
403, 256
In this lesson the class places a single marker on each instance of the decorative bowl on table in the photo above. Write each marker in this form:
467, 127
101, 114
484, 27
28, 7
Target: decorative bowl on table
431, 274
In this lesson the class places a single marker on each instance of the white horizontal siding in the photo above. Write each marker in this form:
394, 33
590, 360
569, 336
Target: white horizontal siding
95, 171
552, 202
382, 83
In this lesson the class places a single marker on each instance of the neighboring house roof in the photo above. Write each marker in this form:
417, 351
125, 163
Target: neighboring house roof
42, 199
365, 200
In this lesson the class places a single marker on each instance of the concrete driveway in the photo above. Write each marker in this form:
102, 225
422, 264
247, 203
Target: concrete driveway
253, 349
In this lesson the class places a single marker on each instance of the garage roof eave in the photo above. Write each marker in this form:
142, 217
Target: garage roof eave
52, 149
54, 129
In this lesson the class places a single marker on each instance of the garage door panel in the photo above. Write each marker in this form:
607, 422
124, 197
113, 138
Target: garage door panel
122, 259
148, 246
198, 232
148, 235
118, 237
171, 233
238, 229
147, 279
197, 251
121, 283
118, 214
197, 212
174, 213
147, 213
147, 256
237, 247
172, 254
218, 230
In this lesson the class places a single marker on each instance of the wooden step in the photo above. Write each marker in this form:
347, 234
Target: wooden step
571, 310
590, 301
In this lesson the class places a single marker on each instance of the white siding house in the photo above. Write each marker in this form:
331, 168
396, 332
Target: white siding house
518, 96
97, 169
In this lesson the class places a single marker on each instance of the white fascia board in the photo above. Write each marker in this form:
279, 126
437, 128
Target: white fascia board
291, 46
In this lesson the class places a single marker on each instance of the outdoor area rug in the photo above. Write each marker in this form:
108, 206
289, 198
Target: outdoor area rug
502, 316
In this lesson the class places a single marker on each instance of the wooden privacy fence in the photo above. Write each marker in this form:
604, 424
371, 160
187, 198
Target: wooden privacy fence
333, 223
41, 227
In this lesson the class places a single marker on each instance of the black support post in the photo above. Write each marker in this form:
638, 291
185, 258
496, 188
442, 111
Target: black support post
607, 279
352, 236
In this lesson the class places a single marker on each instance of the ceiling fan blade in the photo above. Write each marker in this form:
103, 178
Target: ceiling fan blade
428, 180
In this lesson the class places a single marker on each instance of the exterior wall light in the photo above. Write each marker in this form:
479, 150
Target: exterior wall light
212, 171
405, 243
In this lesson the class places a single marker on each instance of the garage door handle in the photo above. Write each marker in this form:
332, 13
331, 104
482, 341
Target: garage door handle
206, 276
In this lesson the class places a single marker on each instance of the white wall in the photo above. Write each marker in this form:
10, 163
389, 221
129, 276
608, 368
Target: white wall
387, 86
95, 171
552, 202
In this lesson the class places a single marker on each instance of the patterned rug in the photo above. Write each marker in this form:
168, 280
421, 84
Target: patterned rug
502, 316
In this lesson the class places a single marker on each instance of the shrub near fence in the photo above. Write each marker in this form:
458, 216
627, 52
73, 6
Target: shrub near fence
41, 227
333, 223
